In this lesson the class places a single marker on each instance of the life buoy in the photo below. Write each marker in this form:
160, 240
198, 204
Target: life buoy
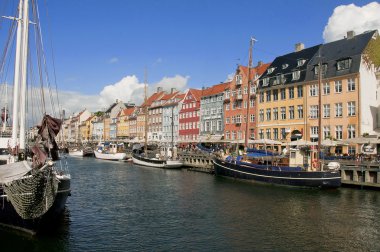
314, 164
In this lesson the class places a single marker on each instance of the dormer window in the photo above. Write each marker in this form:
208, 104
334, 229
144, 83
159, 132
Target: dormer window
239, 79
324, 70
300, 62
296, 75
265, 82
284, 66
343, 64
270, 70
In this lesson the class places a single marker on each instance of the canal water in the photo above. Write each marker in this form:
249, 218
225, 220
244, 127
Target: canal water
117, 206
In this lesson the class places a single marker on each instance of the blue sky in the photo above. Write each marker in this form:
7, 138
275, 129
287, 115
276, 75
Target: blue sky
101, 46
202, 39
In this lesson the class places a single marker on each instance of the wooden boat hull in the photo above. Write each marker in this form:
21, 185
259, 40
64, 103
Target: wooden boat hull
241, 170
10, 219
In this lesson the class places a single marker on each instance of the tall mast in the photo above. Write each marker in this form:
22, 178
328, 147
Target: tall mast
16, 87
172, 129
319, 110
23, 94
252, 42
146, 114
5, 108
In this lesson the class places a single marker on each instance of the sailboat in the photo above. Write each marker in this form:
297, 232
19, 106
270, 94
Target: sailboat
140, 157
35, 183
280, 170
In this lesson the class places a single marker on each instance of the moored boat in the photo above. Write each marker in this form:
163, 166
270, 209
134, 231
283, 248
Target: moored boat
140, 159
110, 151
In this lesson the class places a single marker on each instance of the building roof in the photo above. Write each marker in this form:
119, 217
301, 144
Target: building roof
285, 65
153, 98
214, 90
347, 48
259, 69
126, 112
197, 93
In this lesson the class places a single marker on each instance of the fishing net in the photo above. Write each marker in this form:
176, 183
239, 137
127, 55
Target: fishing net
33, 194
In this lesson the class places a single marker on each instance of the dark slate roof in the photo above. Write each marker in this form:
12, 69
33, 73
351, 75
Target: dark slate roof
347, 48
291, 60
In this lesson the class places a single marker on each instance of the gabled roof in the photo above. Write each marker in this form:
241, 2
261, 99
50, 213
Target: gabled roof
259, 70
347, 48
126, 112
153, 98
214, 90
196, 93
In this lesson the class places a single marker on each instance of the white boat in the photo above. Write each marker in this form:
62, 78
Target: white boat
34, 190
110, 151
155, 162
84, 152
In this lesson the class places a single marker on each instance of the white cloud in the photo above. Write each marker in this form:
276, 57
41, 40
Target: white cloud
352, 18
113, 60
128, 89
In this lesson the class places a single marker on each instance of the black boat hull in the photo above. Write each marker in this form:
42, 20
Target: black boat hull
241, 170
10, 218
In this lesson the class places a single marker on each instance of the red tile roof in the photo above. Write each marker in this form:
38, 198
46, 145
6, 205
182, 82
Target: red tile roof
196, 93
216, 89
257, 69
153, 98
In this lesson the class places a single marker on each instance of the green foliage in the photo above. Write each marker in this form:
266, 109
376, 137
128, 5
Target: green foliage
99, 113
372, 52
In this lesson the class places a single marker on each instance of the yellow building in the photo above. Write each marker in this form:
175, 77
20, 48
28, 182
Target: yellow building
289, 102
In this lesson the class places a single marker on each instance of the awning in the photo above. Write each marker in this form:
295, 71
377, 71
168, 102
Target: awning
210, 138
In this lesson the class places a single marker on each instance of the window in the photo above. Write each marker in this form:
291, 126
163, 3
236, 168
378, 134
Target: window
270, 70
252, 89
283, 94
233, 136
300, 62
351, 85
261, 134
313, 91
284, 66
291, 112
326, 110
283, 113
275, 134
283, 134
326, 88
314, 111
251, 103
314, 130
326, 132
227, 135
268, 95
300, 111
261, 96
269, 112
296, 75
268, 134
245, 90
261, 114
339, 132
343, 64
275, 113
238, 119
275, 95
351, 131
291, 92
351, 150
238, 79
299, 91
252, 117
338, 86
265, 82
227, 120
219, 125
338, 110
351, 108
324, 70
227, 94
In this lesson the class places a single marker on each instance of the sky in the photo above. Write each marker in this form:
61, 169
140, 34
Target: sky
102, 49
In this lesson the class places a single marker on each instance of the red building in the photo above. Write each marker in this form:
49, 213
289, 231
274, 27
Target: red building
189, 116
237, 99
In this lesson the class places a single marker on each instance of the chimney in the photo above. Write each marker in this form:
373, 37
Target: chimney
350, 34
299, 47
159, 89
259, 64
172, 90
